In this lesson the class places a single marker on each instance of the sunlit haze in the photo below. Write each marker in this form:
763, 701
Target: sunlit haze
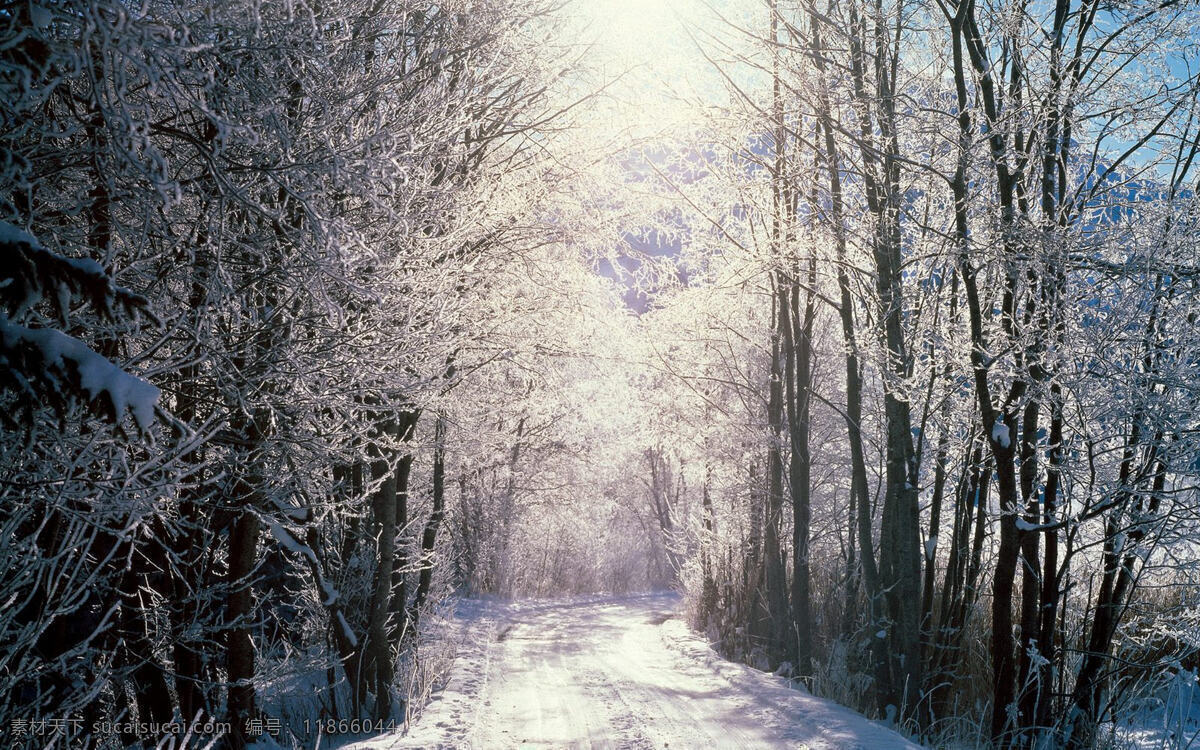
643, 54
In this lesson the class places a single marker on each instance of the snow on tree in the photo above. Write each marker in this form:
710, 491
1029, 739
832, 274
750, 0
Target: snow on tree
47, 365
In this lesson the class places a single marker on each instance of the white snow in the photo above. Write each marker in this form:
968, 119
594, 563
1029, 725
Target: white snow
80, 267
64, 299
97, 375
1024, 525
617, 672
346, 629
330, 593
1000, 434
287, 540
40, 15
290, 541
13, 235
1165, 714
84, 265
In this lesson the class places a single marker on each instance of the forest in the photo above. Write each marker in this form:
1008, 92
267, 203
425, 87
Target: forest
871, 328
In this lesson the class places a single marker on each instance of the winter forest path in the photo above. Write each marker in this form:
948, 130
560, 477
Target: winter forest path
616, 673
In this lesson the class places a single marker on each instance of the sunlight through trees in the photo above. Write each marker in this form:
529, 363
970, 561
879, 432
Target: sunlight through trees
871, 328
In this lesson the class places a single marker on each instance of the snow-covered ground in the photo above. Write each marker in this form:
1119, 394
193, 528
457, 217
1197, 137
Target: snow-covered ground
620, 673
1165, 717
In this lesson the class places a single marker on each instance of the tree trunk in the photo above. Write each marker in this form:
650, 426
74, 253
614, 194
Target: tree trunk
854, 385
798, 372
429, 536
931, 547
239, 664
899, 552
399, 624
1050, 593
774, 573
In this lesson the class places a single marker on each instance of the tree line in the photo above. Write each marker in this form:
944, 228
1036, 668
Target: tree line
244, 246
959, 237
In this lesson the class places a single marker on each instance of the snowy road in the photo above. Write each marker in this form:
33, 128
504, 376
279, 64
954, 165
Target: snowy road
617, 673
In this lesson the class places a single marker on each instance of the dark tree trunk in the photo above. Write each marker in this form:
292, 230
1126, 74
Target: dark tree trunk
1050, 593
429, 536
931, 547
708, 594
797, 344
239, 610
775, 579
399, 625
148, 675
781, 637
1141, 463
1031, 576
377, 659
899, 552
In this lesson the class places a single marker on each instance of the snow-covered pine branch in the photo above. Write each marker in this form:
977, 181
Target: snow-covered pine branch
50, 366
